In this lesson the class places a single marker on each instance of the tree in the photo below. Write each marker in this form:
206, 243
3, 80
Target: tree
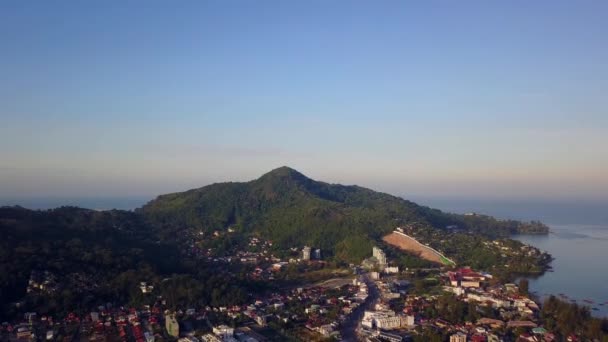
523, 286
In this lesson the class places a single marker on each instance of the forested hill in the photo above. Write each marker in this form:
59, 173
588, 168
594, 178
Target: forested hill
293, 210
87, 257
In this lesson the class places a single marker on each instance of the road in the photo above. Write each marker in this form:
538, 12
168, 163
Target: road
350, 326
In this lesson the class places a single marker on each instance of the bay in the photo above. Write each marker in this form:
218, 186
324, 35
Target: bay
580, 268
578, 243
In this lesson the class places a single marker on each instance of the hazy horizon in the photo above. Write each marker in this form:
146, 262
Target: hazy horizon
551, 211
477, 99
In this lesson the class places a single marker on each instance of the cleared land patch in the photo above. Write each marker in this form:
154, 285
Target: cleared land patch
407, 243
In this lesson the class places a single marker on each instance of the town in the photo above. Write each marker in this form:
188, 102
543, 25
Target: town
373, 301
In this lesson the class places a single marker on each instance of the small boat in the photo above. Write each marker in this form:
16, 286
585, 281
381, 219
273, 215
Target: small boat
596, 309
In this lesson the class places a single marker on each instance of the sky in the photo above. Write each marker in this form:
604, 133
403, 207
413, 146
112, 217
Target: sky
415, 98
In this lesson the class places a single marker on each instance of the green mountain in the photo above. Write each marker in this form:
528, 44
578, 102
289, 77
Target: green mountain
86, 258
293, 210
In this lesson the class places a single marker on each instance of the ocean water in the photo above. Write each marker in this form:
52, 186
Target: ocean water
580, 268
578, 242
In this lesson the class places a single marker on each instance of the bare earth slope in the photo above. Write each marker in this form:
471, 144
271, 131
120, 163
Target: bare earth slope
409, 244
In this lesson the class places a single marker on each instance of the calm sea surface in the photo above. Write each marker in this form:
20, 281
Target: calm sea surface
578, 241
580, 268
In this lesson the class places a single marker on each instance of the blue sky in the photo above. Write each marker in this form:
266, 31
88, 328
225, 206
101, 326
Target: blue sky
438, 98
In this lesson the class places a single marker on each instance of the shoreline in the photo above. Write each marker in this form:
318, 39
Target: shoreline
570, 247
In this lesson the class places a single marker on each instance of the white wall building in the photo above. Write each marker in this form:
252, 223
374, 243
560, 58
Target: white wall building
306, 253
380, 256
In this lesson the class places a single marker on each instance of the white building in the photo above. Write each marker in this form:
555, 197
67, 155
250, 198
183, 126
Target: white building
388, 322
306, 253
391, 270
380, 256
458, 337
223, 331
407, 321
317, 254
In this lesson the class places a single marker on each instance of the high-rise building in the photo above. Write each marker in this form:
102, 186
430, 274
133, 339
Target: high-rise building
306, 253
380, 256
317, 254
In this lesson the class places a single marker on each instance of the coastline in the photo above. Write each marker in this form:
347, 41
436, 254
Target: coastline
570, 247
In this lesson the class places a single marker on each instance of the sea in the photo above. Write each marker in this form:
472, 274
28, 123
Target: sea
578, 240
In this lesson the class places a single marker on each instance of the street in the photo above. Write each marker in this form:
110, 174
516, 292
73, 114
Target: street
352, 323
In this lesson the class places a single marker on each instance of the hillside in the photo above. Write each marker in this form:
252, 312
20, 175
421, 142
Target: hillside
293, 210
409, 244
85, 258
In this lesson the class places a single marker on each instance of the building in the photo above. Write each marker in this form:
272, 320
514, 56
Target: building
306, 253
188, 339
391, 270
458, 337
380, 256
388, 322
210, 338
493, 338
326, 330
223, 331
317, 254
466, 277
24, 333
145, 288
407, 321
172, 326
385, 336
261, 320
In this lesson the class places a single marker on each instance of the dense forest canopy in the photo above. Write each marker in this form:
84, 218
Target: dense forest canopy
86, 258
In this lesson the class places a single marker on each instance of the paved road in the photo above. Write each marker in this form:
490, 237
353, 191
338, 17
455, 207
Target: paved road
349, 327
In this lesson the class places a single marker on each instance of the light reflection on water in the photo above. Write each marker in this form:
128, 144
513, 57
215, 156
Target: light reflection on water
580, 268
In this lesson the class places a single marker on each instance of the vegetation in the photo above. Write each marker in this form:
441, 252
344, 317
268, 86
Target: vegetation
483, 224
568, 318
292, 210
98, 257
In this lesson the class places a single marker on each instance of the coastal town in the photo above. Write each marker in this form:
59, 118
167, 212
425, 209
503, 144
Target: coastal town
304, 171
373, 301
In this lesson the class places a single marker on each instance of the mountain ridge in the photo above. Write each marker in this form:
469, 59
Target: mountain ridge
292, 209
